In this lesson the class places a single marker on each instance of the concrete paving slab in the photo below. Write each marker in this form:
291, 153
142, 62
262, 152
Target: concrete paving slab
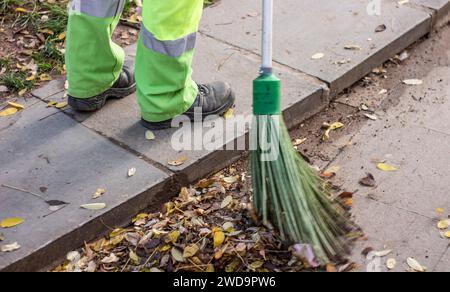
215, 61
385, 227
441, 9
424, 58
404, 232
46, 152
409, 136
433, 4
322, 26
419, 185
51, 88
444, 264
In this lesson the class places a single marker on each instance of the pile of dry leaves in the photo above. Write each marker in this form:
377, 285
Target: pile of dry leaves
208, 227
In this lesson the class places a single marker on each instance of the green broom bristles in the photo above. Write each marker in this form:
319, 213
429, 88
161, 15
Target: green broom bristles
289, 195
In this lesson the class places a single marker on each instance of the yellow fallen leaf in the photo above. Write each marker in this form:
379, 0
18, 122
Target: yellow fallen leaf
16, 105
114, 241
61, 104
45, 77
140, 217
219, 238
228, 114
134, 257
443, 224
8, 112
173, 236
31, 78
179, 161
116, 232
99, 244
256, 265
165, 248
62, 36
21, 10
332, 127
51, 103
22, 92
11, 222
386, 167
439, 211
447, 234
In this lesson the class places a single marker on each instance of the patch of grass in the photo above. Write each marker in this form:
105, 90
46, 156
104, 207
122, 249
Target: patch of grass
57, 18
5, 63
15, 81
7, 5
48, 57
29, 19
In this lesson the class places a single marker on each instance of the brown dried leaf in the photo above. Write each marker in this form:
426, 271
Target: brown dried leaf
368, 181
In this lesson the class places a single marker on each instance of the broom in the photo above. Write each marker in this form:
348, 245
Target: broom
287, 193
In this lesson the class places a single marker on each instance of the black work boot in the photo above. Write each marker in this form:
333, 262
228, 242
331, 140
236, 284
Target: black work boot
214, 99
124, 86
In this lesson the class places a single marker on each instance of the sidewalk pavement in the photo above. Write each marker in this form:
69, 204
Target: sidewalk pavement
401, 213
67, 156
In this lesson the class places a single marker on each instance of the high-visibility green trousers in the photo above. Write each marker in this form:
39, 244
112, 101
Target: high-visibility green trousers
165, 49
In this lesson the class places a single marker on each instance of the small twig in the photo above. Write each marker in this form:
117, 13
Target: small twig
198, 266
148, 259
109, 227
126, 265
243, 241
188, 267
237, 253
203, 237
53, 212
22, 190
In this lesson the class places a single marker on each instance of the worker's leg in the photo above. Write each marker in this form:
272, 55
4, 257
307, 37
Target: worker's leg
93, 61
164, 58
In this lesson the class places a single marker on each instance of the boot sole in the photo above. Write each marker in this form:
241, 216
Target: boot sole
164, 125
96, 103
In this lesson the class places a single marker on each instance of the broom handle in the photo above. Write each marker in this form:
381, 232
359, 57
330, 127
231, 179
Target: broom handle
267, 36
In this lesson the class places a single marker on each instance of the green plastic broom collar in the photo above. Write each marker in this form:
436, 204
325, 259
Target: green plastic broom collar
267, 94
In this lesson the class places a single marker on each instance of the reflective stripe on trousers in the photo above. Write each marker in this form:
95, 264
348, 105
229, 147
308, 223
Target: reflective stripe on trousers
174, 48
98, 8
